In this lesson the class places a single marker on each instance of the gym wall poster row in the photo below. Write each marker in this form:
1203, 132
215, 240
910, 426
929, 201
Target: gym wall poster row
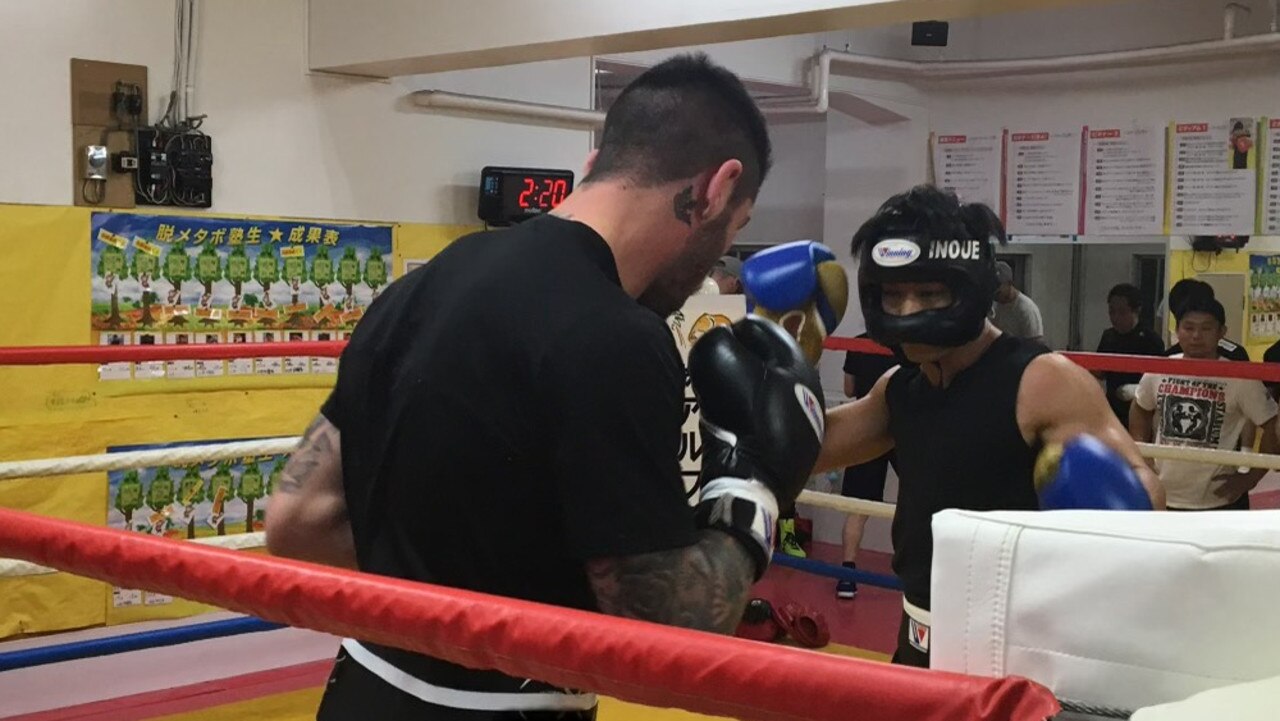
214, 498
1194, 176
160, 279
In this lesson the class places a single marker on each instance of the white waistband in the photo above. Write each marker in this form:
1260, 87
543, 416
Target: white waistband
470, 700
919, 614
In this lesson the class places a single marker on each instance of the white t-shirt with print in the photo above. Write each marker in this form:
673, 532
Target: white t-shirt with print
1200, 412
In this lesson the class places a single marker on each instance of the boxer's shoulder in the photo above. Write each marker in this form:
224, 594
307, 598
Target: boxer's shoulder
1055, 391
1052, 375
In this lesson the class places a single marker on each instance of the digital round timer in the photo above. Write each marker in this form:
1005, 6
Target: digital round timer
510, 195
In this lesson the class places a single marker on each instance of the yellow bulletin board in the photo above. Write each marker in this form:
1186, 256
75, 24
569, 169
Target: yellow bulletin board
68, 410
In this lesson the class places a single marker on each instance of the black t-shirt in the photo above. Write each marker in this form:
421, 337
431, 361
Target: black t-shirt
1226, 349
1138, 341
866, 368
958, 447
507, 413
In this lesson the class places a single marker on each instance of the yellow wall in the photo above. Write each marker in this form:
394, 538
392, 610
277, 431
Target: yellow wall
64, 410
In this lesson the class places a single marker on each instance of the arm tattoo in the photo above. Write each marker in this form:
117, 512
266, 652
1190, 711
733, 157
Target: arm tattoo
683, 205
318, 442
704, 586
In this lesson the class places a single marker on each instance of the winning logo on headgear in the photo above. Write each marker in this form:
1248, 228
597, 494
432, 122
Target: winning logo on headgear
895, 252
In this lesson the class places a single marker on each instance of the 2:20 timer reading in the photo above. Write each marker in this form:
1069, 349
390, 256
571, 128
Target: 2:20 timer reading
513, 195
542, 193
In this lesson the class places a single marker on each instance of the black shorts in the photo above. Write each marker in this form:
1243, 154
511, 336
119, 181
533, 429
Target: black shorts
907, 654
354, 693
866, 481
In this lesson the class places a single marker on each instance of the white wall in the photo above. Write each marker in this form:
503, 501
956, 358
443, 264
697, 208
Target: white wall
1206, 89
291, 143
779, 60
37, 42
791, 201
389, 37
285, 142
1091, 29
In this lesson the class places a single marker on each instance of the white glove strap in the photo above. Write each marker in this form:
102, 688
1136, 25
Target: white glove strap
743, 507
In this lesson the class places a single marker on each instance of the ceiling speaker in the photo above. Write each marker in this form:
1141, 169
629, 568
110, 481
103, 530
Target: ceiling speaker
930, 33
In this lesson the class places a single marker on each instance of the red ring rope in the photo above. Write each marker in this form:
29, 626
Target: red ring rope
1107, 362
66, 355
62, 355
631, 660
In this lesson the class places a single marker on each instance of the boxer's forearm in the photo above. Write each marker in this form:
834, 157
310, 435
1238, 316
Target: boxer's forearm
856, 432
704, 586
319, 537
307, 512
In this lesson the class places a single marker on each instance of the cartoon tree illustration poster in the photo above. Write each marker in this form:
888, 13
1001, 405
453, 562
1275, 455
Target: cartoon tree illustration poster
191, 494
212, 498
159, 498
218, 497
128, 496
375, 272
177, 269
111, 267
144, 268
238, 273
225, 279
250, 490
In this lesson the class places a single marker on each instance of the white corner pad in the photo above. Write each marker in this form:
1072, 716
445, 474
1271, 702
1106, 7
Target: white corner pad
1110, 608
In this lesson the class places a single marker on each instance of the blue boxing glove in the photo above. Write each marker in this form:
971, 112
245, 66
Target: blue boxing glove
801, 287
1085, 473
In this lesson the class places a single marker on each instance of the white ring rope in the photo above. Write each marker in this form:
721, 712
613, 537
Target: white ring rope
844, 504
187, 455
1211, 455
176, 456
10, 568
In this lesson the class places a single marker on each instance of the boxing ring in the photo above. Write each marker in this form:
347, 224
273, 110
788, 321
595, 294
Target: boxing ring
626, 659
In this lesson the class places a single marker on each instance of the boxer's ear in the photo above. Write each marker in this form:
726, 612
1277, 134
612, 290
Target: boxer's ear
591, 162
721, 185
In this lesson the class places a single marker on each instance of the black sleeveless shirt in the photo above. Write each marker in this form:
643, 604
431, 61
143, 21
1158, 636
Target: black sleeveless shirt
958, 447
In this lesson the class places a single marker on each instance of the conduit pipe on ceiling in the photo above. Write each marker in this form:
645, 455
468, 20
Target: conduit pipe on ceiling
559, 114
870, 67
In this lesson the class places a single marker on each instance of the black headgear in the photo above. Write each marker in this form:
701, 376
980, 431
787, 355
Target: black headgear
895, 247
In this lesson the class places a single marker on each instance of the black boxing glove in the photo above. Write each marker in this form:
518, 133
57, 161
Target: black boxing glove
762, 424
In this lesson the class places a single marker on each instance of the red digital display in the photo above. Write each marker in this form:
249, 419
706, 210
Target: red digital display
541, 192
510, 195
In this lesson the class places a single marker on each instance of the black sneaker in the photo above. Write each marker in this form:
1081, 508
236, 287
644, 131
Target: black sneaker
846, 589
